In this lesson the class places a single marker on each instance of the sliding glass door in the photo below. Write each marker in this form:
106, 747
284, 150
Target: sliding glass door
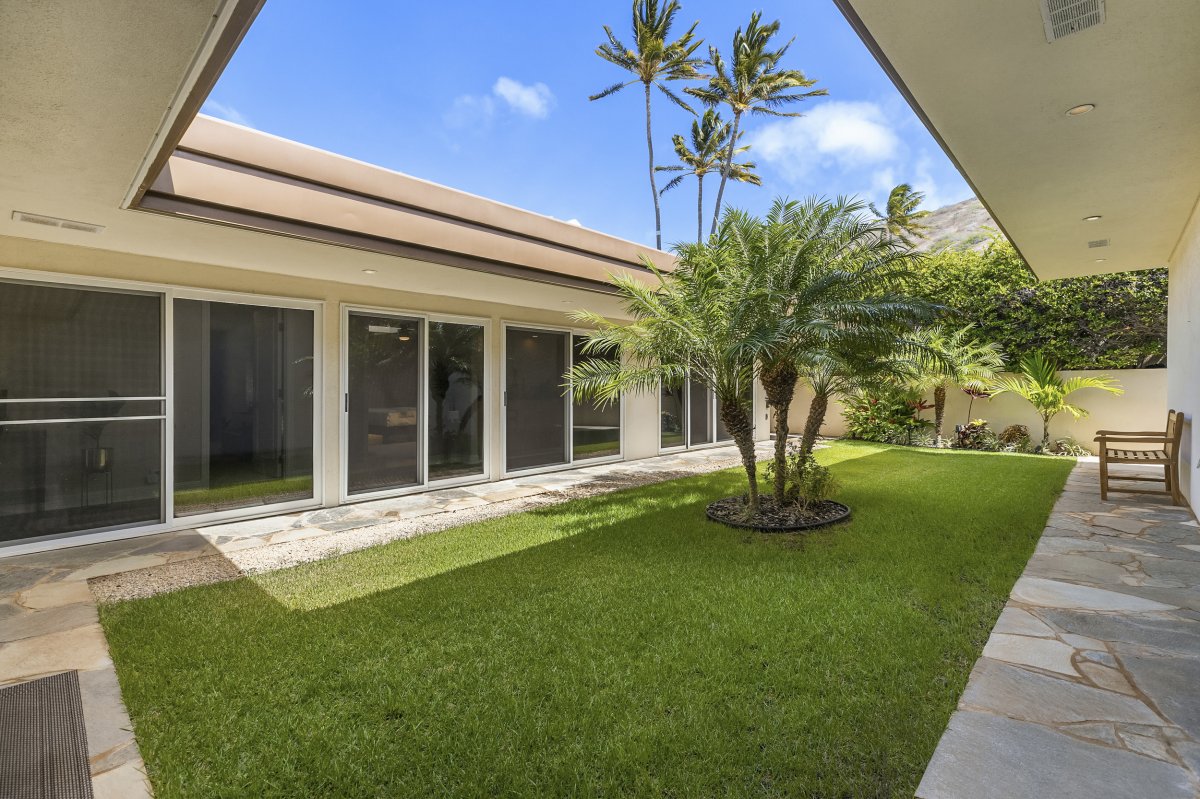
414, 406
244, 389
82, 410
535, 408
456, 401
595, 427
383, 403
689, 416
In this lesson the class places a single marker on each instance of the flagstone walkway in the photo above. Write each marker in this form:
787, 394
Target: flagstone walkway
1089, 686
48, 617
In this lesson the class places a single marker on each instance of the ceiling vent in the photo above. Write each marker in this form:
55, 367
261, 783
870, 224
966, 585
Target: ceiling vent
1064, 17
1097, 243
53, 221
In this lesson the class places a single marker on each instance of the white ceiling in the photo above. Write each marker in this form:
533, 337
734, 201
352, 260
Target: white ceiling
996, 92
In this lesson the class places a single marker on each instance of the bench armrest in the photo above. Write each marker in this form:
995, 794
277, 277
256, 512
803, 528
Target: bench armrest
1157, 439
1129, 433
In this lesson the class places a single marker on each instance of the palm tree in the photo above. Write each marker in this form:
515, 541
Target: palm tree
1040, 384
710, 138
753, 83
653, 62
822, 279
903, 220
689, 325
962, 361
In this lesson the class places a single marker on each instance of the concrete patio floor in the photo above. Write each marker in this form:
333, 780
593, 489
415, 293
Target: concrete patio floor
48, 615
1087, 686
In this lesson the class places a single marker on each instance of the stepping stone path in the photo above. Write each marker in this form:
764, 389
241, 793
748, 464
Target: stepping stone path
1089, 686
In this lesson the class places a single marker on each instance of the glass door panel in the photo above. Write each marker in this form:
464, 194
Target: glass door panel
243, 406
700, 414
672, 415
383, 408
81, 410
456, 406
595, 427
535, 407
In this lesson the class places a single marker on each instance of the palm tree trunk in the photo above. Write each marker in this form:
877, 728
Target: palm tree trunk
939, 411
812, 425
737, 422
700, 209
737, 118
780, 384
653, 183
1045, 433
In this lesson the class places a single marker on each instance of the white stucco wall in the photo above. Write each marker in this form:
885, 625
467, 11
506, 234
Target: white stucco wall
1183, 388
1143, 406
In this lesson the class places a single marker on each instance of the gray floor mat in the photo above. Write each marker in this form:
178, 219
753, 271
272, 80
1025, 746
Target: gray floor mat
43, 746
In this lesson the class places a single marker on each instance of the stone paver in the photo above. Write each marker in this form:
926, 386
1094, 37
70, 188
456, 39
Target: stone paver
48, 619
1087, 686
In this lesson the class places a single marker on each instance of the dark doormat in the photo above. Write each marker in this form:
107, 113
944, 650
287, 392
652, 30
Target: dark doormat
44, 754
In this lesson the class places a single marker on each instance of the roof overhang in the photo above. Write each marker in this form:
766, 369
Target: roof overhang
110, 136
994, 93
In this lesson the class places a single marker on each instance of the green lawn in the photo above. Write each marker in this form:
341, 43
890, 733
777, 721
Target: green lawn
620, 645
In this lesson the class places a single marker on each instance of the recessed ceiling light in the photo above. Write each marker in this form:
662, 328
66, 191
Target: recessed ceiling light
1092, 218
369, 271
1101, 260
1080, 110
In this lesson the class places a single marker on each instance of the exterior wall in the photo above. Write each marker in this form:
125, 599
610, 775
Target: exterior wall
640, 433
1143, 406
1183, 389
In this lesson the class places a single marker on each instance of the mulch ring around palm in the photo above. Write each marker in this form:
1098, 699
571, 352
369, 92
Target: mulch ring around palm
775, 518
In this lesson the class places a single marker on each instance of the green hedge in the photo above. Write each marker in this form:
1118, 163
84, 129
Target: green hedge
1116, 321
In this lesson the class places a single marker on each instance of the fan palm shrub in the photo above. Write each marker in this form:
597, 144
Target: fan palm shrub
654, 60
1040, 384
689, 324
960, 361
752, 82
825, 285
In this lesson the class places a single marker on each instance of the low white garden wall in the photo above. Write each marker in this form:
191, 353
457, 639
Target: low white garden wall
1143, 406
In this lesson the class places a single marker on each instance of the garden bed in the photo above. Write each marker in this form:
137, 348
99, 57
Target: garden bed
775, 518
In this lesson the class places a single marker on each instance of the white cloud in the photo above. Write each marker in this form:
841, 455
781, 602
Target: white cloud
846, 134
226, 112
533, 100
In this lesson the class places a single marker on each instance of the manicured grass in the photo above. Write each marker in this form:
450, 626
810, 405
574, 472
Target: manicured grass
620, 645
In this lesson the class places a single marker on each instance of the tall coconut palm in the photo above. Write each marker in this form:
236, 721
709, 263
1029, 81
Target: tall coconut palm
962, 361
710, 138
820, 276
688, 325
1040, 384
901, 216
752, 83
653, 61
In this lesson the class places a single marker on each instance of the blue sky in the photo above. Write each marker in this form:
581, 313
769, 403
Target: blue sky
492, 98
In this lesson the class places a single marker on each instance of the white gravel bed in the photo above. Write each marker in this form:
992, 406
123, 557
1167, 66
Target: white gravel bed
217, 568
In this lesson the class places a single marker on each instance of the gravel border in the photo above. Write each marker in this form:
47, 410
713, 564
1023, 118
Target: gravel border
216, 568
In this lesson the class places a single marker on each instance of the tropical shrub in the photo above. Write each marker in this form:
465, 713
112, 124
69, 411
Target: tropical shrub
1040, 384
806, 481
1115, 321
976, 435
1068, 446
886, 415
1015, 438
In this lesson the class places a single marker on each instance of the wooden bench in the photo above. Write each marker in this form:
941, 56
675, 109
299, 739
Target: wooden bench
1165, 455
